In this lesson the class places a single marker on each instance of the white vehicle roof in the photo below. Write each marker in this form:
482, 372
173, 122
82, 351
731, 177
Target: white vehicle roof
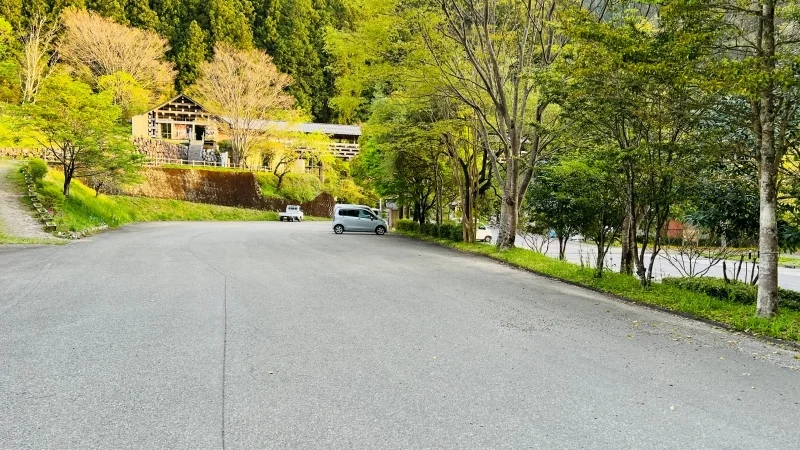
346, 205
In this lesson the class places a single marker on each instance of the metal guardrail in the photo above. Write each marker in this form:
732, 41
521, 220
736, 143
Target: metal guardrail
159, 162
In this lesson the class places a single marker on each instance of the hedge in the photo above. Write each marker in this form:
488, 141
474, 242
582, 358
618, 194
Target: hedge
733, 291
451, 231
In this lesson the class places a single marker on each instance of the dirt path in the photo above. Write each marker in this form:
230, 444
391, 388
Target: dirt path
16, 219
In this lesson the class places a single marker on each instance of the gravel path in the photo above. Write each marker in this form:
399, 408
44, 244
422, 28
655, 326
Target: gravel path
15, 218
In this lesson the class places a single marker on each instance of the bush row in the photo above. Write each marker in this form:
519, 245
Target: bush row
451, 231
735, 291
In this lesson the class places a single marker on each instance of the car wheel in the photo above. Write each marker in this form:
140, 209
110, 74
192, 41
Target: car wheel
487, 239
338, 229
380, 230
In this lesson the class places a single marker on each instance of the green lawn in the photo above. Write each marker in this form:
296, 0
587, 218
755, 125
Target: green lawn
83, 210
737, 316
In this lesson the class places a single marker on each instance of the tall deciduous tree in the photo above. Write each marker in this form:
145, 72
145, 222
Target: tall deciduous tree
245, 89
503, 50
635, 89
37, 58
80, 129
97, 46
761, 50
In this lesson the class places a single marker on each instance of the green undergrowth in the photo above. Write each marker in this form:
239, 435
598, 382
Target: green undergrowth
297, 187
740, 317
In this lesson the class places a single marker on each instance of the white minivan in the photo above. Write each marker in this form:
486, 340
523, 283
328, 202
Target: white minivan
357, 218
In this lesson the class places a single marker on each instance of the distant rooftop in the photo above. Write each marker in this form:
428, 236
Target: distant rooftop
325, 128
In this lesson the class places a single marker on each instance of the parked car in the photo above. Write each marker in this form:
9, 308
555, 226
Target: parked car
292, 213
339, 206
483, 233
357, 219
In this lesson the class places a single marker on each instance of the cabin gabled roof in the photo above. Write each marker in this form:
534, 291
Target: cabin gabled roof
176, 98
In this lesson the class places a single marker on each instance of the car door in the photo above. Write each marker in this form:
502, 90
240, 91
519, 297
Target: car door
349, 219
366, 220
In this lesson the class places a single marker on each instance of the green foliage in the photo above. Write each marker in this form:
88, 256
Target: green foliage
300, 187
301, 56
368, 72
9, 68
127, 93
189, 56
81, 129
83, 209
292, 31
452, 231
734, 291
37, 169
407, 225
268, 183
346, 191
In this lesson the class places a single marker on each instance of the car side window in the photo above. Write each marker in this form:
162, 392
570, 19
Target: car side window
366, 215
350, 213
342, 212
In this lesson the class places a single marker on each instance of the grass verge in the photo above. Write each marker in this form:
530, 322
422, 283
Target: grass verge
8, 239
785, 326
83, 210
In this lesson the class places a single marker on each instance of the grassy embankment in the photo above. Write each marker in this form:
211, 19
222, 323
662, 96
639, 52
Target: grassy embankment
737, 316
83, 210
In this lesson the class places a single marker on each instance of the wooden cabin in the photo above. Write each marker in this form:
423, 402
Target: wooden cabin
184, 121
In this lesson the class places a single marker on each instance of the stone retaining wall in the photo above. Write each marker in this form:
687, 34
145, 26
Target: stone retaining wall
21, 153
153, 148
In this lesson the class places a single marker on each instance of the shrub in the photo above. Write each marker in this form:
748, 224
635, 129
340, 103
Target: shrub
736, 292
407, 225
429, 229
452, 231
300, 187
268, 183
37, 169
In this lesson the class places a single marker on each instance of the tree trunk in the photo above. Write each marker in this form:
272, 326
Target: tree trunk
601, 258
628, 230
767, 303
508, 224
67, 182
509, 211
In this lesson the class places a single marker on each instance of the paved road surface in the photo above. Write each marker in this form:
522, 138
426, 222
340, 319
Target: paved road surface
276, 335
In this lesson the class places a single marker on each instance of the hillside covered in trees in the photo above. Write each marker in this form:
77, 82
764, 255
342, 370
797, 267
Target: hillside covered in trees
291, 31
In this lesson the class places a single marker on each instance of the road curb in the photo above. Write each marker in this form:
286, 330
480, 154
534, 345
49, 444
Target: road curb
771, 340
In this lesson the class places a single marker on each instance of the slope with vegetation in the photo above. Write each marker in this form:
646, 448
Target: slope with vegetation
84, 210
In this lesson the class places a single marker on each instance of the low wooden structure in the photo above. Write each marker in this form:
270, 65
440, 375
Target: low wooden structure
184, 121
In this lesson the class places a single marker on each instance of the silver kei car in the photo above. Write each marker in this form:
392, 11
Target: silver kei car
357, 219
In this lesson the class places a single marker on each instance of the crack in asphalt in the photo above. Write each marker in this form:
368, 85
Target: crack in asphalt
224, 330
